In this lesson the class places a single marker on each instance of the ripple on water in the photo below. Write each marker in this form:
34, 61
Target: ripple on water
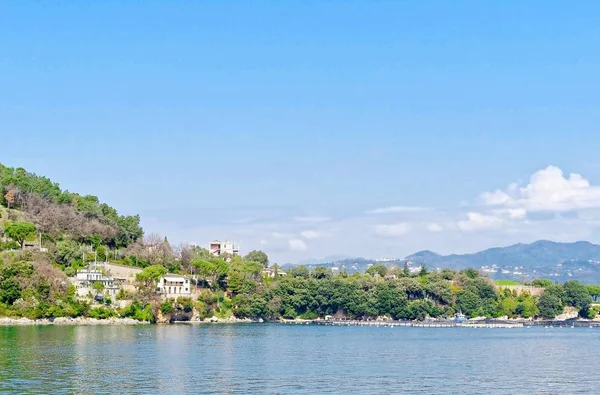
282, 359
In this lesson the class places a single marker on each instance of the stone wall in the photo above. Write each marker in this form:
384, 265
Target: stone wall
521, 288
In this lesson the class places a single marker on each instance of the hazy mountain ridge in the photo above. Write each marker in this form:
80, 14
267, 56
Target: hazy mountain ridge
535, 255
554, 260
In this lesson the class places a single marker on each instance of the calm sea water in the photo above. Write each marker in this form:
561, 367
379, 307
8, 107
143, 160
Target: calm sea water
289, 359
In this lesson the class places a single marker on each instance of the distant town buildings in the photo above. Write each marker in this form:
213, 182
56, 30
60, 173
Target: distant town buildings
218, 248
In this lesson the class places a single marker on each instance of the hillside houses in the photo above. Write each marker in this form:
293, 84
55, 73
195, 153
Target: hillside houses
85, 278
115, 277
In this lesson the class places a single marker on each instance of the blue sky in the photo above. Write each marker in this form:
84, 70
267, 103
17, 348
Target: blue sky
314, 128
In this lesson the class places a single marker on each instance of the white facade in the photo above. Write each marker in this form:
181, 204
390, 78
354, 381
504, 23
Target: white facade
85, 278
272, 273
173, 286
218, 248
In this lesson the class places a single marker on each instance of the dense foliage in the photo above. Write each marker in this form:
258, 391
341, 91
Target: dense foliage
58, 213
383, 291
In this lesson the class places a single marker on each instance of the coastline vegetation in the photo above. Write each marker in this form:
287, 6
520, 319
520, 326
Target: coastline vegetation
48, 234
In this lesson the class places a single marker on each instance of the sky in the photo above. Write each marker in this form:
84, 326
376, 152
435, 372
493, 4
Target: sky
309, 128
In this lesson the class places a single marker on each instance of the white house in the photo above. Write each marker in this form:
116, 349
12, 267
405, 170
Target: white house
272, 272
218, 248
173, 286
85, 278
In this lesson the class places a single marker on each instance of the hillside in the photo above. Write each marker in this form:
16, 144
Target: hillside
58, 212
46, 234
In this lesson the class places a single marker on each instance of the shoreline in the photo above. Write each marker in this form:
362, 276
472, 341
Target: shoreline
68, 321
82, 321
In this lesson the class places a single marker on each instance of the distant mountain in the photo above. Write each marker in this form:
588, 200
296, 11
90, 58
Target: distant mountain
538, 254
542, 258
331, 258
425, 255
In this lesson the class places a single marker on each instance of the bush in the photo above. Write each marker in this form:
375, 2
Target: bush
187, 304
10, 291
9, 245
101, 313
309, 315
289, 314
122, 294
139, 312
166, 307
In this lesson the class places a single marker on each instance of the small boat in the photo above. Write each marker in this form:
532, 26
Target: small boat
459, 318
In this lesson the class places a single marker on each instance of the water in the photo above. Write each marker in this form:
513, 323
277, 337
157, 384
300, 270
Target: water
291, 359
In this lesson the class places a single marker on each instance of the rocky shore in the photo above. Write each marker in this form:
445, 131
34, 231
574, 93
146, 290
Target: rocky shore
5, 321
216, 320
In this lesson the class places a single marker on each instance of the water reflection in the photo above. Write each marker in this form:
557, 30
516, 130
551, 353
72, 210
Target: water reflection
263, 359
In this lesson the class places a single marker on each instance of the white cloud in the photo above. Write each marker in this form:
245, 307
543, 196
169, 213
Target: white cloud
479, 221
392, 230
311, 219
397, 209
297, 245
512, 213
310, 234
264, 242
435, 227
548, 190
497, 197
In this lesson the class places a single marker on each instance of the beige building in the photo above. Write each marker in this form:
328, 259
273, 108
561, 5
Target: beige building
272, 273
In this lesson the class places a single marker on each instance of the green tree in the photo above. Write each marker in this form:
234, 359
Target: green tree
205, 268
551, 303
470, 273
527, 308
321, 272
166, 307
67, 252
10, 291
439, 291
257, 256
379, 269
419, 309
508, 307
151, 274
469, 302
594, 291
98, 287
541, 283
19, 231
101, 253
577, 295
147, 280
300, 272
